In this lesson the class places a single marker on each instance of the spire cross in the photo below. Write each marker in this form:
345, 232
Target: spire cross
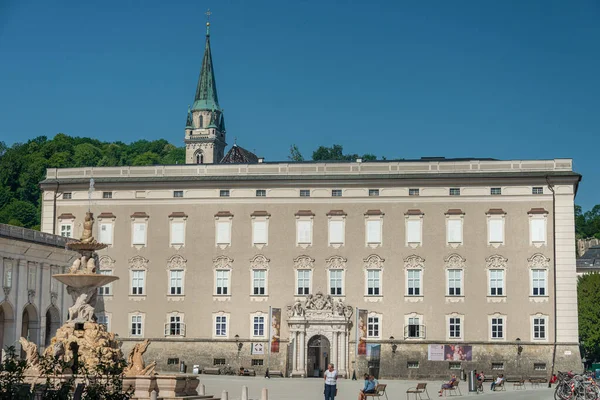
208, 14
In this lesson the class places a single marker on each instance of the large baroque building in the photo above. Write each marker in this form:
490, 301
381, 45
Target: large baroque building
407, 268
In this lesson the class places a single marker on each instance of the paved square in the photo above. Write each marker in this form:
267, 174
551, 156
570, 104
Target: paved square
312, 388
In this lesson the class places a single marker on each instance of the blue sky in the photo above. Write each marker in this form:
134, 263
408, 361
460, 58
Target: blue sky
503, 79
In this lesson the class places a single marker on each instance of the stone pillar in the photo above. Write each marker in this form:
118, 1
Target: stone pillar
302, 351
343, 352
334, 350
295, 353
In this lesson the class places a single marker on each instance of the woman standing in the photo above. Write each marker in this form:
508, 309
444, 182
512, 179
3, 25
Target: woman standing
330, 377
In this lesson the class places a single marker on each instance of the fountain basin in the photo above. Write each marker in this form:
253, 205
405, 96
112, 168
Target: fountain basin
80, 246
85, 280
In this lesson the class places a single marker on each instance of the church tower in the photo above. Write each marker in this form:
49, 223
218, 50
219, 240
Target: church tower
205, 125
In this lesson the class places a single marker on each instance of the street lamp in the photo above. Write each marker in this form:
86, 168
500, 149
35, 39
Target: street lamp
238, 343
519, 347
394, 345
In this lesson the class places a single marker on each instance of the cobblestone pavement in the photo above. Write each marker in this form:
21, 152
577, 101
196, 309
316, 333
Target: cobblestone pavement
312, 388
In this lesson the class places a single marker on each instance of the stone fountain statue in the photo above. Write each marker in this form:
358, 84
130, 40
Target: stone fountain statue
135, 361
81, 340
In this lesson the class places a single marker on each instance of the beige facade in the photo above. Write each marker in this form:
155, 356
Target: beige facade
437, 252
34, 304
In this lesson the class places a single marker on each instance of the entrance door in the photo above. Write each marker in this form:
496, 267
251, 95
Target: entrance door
318, 356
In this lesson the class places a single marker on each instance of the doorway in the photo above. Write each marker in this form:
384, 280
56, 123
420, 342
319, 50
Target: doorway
318, 356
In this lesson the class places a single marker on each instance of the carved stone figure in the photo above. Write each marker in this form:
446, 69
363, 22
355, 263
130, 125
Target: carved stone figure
298, 309
348, 311
339, 307
81, 311
91, 266
75, 267
318, 302
88, 224
135, 361
58, 350
31, 356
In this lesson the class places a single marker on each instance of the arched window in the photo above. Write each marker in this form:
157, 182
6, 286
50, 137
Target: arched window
199, 121
199, 158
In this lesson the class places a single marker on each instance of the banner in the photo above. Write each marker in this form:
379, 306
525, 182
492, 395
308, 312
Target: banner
449, 352
275, 318
373, 351
362, 332
257, 348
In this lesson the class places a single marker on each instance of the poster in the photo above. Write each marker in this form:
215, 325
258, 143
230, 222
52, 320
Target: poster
362, 332
373, 351
257, 348
275, 325
449, 352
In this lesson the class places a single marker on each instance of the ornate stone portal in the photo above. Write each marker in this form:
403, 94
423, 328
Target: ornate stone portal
319, 315
81, 341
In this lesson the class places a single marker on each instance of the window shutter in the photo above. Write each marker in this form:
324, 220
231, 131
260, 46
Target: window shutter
538, 233
422, 331
304, 231
167, 329
336, 231
454, 231
260, 232
223, 232
495, 230
106, 233
139, 233
414, 231
177, 234
373, 231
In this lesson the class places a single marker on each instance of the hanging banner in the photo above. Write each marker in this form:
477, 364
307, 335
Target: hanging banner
362, 332
449, 352
275, 325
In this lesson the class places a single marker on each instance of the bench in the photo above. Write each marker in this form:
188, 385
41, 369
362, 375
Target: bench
275, 373
247, 372
211, 371
520, 384
537, 381
500, 387
379, 391
421, 388
453, 390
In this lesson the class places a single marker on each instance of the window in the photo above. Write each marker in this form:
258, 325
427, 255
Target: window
454, 365
373, 282
222, 282
374, 231
413, 328
106, 233
178, 193
173, 361
454, 191
67, 196
257, 362
414, 282
219, 361
498, 366
454, 282
496, 230
373, 192
538, 282
336, 193
454, 230
412, 364
373, 327
413, 230
139, 233
223, 232
221, 325
496, 282
103, 319
138, 278
224, 193
537, 190
497, 328
537, 229
176, 282
175, 326
454, 328
303, 282
107, 195
304, 193
336, 231
261, 193
258, 281
105, 290
259, 231
495, 191
136, 325
413, 192
539, 328
66, 230
304, 231
539, 366
177, 233
336, 282
258, 326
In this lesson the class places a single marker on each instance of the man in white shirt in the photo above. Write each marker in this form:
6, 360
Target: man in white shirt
330, 377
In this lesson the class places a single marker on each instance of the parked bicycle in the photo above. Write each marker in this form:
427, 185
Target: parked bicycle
576, 387
227, 370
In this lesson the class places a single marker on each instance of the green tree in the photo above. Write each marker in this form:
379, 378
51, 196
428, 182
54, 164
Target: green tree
148, 158
176, 155
588, 304
23, 211
336, 153
86, 155
295, 154
587, 224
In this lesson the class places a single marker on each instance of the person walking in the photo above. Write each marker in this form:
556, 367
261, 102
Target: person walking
330, 377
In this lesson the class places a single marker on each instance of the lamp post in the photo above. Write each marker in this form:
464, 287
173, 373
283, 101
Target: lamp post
394, 345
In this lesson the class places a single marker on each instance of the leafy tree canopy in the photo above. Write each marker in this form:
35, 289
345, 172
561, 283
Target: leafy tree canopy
336, 153
587, 224
588, 304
